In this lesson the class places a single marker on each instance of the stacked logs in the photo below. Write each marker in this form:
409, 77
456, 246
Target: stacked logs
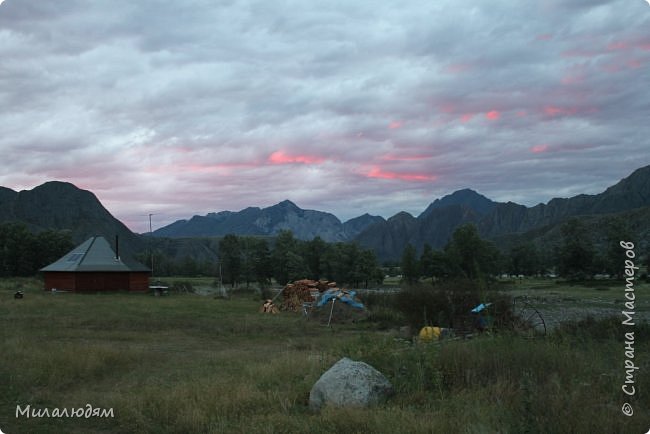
303, 291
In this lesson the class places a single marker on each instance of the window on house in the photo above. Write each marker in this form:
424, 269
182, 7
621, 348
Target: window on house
75, 257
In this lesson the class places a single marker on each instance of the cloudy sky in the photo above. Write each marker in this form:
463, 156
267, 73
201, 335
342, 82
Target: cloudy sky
187, 107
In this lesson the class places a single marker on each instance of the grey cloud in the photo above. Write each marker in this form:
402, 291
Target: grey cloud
187, 100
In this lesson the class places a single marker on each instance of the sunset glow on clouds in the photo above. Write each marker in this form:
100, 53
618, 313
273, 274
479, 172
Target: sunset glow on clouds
280, 157
539, 149
183, 108
377, 172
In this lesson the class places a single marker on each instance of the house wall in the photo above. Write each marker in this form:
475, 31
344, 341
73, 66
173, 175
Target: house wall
59, 280
101, 281
97, 281
139, 281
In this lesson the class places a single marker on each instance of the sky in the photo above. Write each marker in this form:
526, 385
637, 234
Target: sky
196, 106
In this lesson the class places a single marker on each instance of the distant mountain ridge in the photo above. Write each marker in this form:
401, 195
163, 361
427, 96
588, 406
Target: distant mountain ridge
61, 205
496, 219
286, 215
467, 197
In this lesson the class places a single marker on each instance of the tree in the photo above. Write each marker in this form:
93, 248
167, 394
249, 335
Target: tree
576, 253
314, 252
348, 263
50, 245
524, 259
366, 268
296, 268
338, 262
230, 257
283, 263
440, 265
434, 264
188, 267
426, 261
410, 266
470, 256
22, 253
247, 258
16, 248
617, 231
262, 267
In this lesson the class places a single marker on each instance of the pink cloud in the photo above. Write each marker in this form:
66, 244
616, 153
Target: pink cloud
544, 37
573, 79
579, 53
617, 46
447, 107
197, 167
621, 63
280, 157
392, 157
493, 115
466, 117
377, 172
554, 111
395, 125
575, 74
539, 149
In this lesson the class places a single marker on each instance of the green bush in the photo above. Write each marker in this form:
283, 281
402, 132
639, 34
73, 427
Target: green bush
381, 309
449, 304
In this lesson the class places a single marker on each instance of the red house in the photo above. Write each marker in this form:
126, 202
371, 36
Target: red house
94, 266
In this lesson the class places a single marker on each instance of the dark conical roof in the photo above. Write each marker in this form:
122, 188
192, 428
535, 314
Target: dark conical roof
94, 254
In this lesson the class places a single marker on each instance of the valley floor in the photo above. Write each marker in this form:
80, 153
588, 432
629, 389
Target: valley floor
190, 363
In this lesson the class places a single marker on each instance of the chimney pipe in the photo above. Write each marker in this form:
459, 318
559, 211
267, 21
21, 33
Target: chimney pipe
117, 248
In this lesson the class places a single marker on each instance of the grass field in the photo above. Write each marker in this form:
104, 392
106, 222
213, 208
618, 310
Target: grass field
187, 363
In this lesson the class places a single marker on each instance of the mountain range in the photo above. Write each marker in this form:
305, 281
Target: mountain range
629, 200
304, 223
495, 220
60, 205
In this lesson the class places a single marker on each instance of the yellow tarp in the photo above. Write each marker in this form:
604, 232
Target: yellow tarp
428, 334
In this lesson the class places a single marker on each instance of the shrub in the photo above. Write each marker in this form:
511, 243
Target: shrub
601, 329
441, 305
449, 304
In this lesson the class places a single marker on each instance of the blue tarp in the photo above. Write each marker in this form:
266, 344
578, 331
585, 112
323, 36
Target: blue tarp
480, 307
344, 296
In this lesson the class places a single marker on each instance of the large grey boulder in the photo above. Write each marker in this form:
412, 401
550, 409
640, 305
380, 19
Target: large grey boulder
349, 383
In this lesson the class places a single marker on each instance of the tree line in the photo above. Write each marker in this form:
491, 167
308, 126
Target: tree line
466, 256
247, 260
23, 253
574, 257
244, 260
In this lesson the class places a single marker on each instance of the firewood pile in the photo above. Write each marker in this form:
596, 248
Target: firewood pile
303, 291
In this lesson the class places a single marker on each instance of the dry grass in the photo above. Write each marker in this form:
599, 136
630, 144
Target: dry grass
186, 363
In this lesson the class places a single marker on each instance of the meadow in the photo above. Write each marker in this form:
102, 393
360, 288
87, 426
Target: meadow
188, 363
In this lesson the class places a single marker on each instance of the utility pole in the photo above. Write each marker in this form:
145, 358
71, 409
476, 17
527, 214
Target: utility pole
151, 242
